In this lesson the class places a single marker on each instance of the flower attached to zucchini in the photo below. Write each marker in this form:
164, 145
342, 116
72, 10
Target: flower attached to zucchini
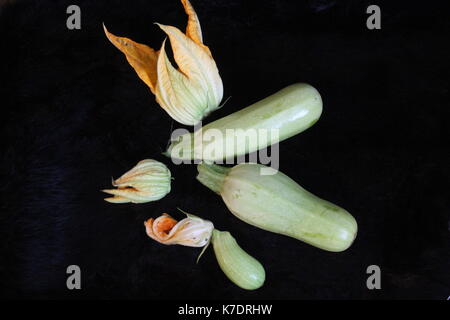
188, 93
241, 268
148, 181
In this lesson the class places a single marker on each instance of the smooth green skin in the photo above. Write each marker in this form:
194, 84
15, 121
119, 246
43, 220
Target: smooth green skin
278, 204
290, 110
240, 267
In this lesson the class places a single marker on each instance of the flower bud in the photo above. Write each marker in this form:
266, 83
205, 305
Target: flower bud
148, 181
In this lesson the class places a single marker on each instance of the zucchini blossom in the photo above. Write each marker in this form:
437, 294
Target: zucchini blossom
189, 93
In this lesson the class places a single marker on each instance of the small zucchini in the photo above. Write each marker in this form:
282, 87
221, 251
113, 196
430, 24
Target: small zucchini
288, 112
278, 204
240, 267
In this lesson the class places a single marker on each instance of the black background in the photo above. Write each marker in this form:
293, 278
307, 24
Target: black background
74, 114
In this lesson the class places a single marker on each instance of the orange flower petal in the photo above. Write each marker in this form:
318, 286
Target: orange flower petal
193, 29
141, 57
117, 199
149, 229
159, 229
163, 227
191, 231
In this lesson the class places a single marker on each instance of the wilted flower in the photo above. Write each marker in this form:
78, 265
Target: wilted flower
148, 181
192, 231
189, 93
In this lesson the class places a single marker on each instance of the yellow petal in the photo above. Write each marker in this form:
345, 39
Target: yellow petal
195, 62
117, 199
129, 195
177, 94
141, 57
193, 29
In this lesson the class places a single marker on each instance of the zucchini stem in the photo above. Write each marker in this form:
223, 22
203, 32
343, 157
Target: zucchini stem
212, 176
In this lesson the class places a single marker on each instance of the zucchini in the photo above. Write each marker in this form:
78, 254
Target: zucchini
271, 120
240, 267
278, 204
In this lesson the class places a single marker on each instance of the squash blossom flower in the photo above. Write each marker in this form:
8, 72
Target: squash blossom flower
192, 231
188, 93
148, 181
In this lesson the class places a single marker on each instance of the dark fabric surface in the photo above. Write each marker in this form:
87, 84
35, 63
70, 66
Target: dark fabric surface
74, 114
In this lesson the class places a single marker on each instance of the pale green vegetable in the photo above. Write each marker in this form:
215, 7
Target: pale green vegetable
278, 204
273, 119
241, 268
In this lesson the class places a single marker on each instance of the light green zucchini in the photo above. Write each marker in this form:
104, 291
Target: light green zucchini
278, 204
240, 267
271, 120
